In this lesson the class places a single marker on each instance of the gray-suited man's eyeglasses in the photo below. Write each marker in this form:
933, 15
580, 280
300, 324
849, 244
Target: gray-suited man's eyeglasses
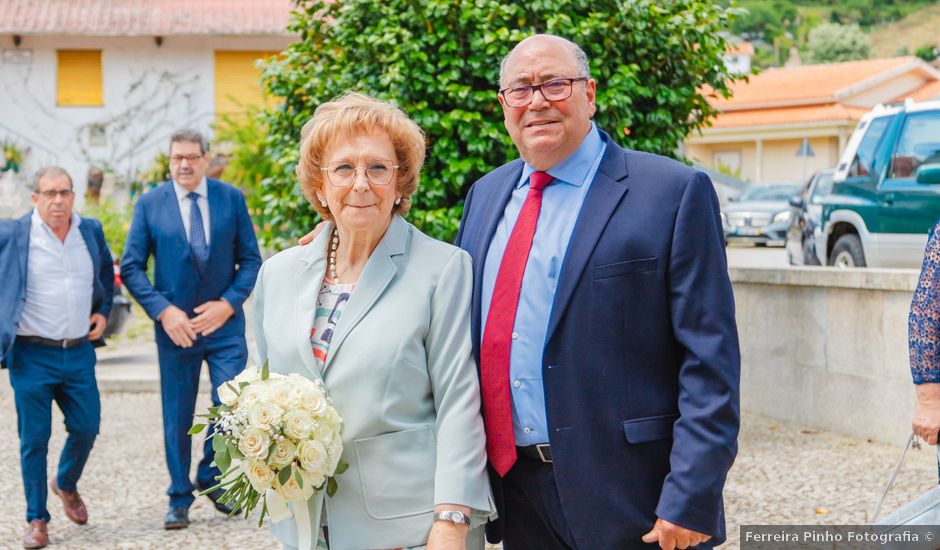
556, 89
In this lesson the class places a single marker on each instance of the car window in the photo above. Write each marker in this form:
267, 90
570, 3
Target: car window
823, 187
770, 193
865, 156
919, 144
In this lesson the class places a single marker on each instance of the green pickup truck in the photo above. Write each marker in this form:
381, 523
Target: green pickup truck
886, 190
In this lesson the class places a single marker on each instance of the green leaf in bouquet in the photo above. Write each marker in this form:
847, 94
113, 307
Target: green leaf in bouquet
213, 410
331, 486
341, 467
284, 475
237, 390
223, 460
241, 385
233, 450
299, 478
265, 371
196, 429
218, 442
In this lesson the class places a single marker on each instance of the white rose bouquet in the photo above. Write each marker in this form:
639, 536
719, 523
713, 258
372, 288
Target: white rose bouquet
273, 432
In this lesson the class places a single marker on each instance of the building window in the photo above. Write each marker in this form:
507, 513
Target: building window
79, 78
238, 81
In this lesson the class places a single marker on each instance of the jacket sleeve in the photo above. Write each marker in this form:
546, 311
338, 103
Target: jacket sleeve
703, 321
247, 257
461, 476
923, 328
105, 272
134, 264
257, 320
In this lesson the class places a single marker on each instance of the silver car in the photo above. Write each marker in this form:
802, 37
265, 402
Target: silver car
761, 214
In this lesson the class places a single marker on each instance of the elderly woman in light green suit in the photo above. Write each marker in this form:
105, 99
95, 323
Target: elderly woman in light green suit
381, 313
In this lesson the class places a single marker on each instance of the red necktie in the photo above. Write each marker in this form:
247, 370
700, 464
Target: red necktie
497, 335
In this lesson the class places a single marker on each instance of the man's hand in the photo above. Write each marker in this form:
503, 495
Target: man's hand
177, 326
308, 238
211, 315
98, 323
670, 536
926, 423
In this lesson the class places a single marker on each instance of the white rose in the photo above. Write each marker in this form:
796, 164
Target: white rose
251, 394
314, 401
227, 395
284, 452
334, 451
263, 415
298, 424
250, 374
259, 475
292, 491
313, 457
315, 481
282, 394
254, 443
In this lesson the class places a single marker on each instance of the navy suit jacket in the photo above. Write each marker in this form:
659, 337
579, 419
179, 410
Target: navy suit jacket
641, 364
14, 257
157, 229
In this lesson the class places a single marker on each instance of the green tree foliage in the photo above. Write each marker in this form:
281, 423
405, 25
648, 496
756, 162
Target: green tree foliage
831, 42
927, 52
438, 60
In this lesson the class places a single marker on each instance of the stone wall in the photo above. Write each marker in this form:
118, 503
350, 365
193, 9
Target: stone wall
827, 347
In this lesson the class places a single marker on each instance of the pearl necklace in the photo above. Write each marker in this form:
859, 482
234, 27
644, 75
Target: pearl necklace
334, 244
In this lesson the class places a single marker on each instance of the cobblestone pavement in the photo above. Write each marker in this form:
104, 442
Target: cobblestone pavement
784, 474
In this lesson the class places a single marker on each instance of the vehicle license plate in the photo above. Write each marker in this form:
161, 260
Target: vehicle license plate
749, 231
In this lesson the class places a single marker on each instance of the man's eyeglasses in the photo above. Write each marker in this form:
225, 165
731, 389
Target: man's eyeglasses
177, 159
556, 89
50, 194
343, 173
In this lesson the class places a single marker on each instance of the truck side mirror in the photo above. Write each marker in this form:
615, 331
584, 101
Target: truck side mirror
928, 173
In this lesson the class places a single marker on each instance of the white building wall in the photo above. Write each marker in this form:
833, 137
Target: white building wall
149, 91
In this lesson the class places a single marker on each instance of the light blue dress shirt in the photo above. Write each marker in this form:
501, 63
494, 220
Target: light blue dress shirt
561, 204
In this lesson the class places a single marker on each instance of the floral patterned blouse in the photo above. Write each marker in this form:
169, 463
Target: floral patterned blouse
924, 320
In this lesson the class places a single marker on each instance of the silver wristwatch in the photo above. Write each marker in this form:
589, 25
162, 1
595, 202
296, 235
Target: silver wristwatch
454, 516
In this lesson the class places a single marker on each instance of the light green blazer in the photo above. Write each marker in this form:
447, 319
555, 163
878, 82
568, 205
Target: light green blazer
400, 372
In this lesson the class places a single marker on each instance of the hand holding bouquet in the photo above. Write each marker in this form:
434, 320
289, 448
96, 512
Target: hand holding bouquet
274, 432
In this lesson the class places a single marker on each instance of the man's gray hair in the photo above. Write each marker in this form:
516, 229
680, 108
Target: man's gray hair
188, 135
48, 171
580, 58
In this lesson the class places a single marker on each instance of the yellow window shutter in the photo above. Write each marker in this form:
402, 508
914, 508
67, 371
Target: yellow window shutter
80, 81
238, 81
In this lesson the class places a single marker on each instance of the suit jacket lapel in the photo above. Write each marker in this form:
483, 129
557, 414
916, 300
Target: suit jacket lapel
92, 245
492, 210
607, 190
376, 276
174, 216
22, 237
214, 199
307, 283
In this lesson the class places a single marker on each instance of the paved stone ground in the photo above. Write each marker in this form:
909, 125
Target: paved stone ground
784, 474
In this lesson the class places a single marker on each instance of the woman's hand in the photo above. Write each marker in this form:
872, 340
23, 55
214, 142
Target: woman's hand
308, 238
446, 535
926, 423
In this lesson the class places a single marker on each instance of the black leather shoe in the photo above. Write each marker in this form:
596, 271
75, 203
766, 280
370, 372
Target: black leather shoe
176, 518
214, 496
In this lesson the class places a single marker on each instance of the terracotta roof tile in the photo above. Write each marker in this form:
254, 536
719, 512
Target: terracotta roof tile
832, 112
808, 83
930, 90
145, 17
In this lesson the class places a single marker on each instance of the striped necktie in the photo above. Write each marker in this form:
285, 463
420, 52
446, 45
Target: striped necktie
197, 233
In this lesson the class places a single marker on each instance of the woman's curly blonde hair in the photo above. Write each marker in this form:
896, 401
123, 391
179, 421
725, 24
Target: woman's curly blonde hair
356, 114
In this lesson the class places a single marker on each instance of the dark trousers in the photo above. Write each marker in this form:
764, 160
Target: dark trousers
532, 514
179, 384
40, 374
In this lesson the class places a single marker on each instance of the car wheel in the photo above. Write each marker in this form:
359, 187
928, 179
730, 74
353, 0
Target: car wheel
847, 252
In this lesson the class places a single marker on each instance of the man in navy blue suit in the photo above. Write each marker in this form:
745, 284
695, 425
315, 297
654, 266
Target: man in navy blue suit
58, 281
603, 320
206, 260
